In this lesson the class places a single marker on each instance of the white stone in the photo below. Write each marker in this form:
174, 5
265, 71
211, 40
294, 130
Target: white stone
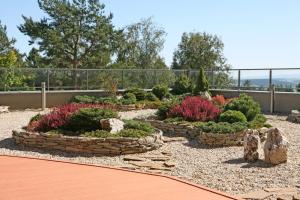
276, 147
251, 145
4, 109
112, 125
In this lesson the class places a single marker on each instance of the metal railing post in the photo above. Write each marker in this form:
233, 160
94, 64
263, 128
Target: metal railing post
43, 85
48, 79
270, 79
87, 79
272, 98
239, 80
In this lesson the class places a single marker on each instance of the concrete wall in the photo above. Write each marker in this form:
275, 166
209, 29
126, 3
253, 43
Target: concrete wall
284, 101
32, 99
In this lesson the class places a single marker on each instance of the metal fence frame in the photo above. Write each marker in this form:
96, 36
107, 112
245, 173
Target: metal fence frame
87, 72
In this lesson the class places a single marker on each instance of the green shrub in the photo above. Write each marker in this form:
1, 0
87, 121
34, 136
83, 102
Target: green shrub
133, 133
128, 98
83, 99
139, 94
244, 104
174, 120
222, 127
108, 100
98, 134
259, 121
166, 106
143, 126
201, 83
182, 85
35, 117
161, 91
232, 116
88, 119
151, 97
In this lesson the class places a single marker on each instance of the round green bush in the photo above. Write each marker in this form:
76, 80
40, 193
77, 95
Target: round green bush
259, 121
160, 91
83, 99
151, 97
139, 94
246, 105
128, 98
143, 126
182, 85
88, 119
232, 116
222, 127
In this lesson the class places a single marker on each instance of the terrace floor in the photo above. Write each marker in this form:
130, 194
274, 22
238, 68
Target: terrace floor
27, 178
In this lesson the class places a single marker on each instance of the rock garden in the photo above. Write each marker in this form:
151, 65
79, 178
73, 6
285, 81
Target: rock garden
225, 144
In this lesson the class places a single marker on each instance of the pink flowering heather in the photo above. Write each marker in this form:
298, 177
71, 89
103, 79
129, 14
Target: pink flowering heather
60, 116
195, 109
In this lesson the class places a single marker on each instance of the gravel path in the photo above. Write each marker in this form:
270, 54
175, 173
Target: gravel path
218, 168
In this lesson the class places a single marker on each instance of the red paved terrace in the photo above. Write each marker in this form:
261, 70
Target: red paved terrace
31, 179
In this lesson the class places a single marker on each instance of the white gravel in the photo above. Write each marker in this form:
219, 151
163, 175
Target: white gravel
218, 168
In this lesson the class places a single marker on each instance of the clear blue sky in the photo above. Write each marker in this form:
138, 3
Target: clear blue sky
256, 33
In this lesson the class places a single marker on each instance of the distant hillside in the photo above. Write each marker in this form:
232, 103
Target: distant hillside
276, 81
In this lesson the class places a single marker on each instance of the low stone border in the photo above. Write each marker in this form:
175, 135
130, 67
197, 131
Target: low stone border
135, 107
210, 139
294, 117
176, 129
97, 146
221, 140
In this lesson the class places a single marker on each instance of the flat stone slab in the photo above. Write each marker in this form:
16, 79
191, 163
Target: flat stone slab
256, 195
133, 158
166, 153
157, 158
174, 139
169, 164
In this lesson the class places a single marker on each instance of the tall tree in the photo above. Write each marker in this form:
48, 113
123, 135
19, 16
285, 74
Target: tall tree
6, 44
199, 50
141, 45
74, 34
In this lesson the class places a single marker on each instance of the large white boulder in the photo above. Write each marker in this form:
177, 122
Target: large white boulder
113, 125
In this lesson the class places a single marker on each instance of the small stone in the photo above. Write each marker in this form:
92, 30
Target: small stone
166, 153
251, 145
133, 158
169, 164
296, 197
174, 139
4, 109
256, 195
275, 148
157, 158
113, 125
284, 197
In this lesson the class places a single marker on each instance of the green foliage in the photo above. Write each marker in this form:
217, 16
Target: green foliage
141, 45
166, 106
128, 98
246, 105
139, 94
88, 119
202, 83
83, 99
222, 127
35, 118
232, 116
143, 126
108, 100
75, 34
133, 133
259, 121
182, 85
151, 97
161, 91
199, 50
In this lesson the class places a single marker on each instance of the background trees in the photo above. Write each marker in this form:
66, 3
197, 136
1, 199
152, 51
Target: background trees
141, 46
75, 34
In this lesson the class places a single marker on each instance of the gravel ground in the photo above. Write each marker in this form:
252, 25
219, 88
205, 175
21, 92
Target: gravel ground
219, 168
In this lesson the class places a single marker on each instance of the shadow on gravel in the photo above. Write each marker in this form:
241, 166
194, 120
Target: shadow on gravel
9, 144
257, 164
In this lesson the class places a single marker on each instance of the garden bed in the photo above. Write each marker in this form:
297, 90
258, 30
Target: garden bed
99, 146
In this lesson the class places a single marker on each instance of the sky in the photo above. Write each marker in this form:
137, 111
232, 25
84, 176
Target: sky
256, 33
